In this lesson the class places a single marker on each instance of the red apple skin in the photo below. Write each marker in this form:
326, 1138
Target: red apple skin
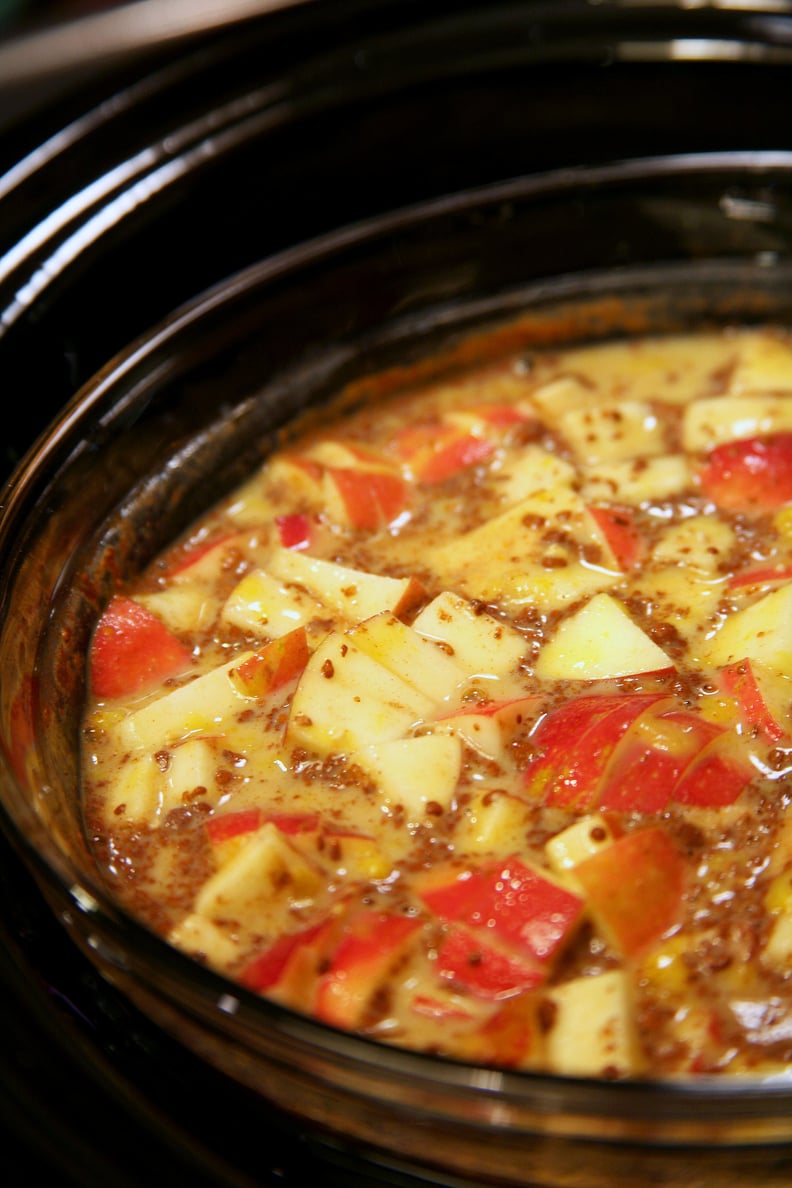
273, 665
764, 575
132, 651
371, 498
295, 530
618, 526
466, 959
575, 744
371, 942
509, 1037
753, 474
716, 777
741, 681
510, 901
634, 888
643, 778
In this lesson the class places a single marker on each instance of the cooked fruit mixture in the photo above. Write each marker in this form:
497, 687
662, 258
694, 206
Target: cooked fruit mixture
465, 723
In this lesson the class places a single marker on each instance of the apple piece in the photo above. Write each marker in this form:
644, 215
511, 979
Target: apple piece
132, 651
356, 855
650, 759
716, 776
489, 727
633, 888
750, 475
274, 665
492, 822
680, 596
520, 474
182, 607
346, 701
701, 542
200, 707
262, 605
287, 968
209, 943
265, 878
763, 697
510, 1038
134, 793
593, 1032
637, 480
764, 364
420, 774
720, 420
617, 524
544, 551
436, 450
422, 662
371, 943
760, 632
579, 841
599, 640
363, 499
295, 530
231, 825
517, 903
471, 961
574, 745
477, 641
352, 592
612, 431
761, 575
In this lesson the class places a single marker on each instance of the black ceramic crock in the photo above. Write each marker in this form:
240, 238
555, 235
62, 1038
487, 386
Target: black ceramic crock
208, 237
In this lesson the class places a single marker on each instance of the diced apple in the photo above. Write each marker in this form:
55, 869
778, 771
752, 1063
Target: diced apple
680, 595
761, 633
205, 940
370, 944
709, 423
265, 876
469, 959
356, 855
633, 888
701, 542
764, 364
134, 794
516, 903
544, 551
354, 593
637, 480
492, 822
613, 431
420, 774
421, 662
479, 642
274, 665
364, 499
593, 1032
182, 607
520, 475
763, 696
261, 604
346, 701
600, 640
200, 707
579, 841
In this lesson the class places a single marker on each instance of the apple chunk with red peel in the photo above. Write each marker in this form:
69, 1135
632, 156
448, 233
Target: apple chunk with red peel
574, 745
132, 651
634, 888
371, 943
274, 665
511, 902
763, 697
600, 640
753, 474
